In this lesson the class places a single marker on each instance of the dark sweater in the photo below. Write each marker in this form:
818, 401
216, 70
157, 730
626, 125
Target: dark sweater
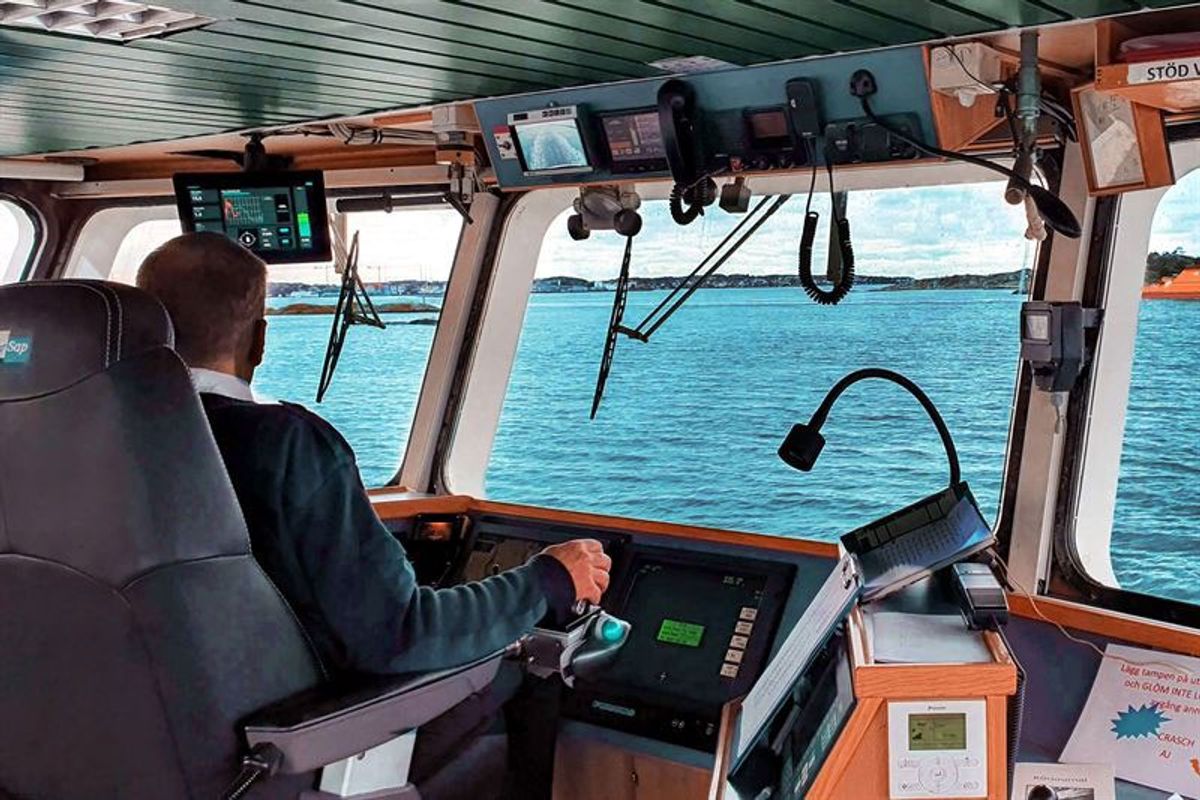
315, 533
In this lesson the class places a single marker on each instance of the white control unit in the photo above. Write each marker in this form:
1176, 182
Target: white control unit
937, 749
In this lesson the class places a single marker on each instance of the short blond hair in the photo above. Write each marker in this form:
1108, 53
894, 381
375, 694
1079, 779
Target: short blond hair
214, 290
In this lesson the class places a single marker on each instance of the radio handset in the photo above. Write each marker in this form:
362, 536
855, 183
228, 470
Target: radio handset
693, 189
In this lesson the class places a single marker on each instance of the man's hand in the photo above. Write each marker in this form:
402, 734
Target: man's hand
586, 561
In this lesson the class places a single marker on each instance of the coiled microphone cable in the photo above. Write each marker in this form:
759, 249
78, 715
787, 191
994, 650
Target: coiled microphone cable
825, 297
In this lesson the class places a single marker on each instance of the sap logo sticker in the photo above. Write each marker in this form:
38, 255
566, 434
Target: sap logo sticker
15, 349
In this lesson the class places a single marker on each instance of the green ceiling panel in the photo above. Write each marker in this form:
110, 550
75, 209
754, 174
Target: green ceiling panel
272, 62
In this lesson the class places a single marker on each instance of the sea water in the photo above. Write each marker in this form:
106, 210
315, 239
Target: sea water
690, 422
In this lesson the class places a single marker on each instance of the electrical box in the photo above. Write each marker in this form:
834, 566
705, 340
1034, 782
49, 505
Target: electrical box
964, 71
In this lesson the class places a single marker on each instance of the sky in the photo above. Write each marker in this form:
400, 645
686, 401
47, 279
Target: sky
919, 232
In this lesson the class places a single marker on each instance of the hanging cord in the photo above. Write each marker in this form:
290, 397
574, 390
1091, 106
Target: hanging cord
699, 194
825, 297
1021, 590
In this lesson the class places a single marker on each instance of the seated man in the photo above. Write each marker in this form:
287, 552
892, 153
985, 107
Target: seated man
312, 526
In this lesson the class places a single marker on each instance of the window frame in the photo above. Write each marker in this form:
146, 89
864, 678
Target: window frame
1097, 408
30, 234
484, 373
433, 379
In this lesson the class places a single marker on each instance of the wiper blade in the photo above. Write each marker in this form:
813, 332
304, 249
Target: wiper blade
614, 326
354, 307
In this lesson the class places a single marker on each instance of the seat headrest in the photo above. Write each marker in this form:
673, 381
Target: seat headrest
56, 333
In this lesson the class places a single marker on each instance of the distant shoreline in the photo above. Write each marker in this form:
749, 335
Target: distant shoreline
312, 309
567, 284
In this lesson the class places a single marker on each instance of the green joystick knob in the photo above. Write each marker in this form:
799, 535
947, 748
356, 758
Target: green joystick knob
611, 631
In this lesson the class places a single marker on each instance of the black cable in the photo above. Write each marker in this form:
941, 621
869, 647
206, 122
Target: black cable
1016, 708
822, 412
1056, 214
841, 226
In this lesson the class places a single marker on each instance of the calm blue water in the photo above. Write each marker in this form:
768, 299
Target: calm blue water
691, 421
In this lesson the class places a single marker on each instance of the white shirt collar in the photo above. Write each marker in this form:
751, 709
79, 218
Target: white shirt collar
212, 382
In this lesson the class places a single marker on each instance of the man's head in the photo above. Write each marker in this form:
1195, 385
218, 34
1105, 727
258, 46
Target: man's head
215, 291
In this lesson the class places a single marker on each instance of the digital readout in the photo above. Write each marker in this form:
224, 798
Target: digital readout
937, 732
688, 634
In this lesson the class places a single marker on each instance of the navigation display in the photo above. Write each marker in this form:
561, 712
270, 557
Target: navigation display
553, 145
635, 142
279, 216
937, 732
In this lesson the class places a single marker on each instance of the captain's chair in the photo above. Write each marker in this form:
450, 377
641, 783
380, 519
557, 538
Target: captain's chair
139, 641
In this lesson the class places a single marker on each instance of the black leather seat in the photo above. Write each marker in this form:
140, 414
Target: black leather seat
135, 627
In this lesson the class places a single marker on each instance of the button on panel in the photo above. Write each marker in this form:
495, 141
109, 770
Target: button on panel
729, 670
738, 642
743, 628
734, 656
749, 614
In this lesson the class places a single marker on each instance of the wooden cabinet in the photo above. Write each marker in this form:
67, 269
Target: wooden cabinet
589, 769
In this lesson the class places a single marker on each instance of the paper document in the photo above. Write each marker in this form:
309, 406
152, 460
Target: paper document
1143, 717
900, 638
1063, 782
823, 614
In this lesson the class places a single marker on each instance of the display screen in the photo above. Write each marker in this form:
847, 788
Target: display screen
769, 126
937, 732
280, 216
553, 145
634, 137
672, 631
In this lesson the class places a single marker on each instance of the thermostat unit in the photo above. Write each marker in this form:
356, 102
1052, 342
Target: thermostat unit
937, 749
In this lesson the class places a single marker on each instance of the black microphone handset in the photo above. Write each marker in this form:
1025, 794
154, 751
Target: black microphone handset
677, 119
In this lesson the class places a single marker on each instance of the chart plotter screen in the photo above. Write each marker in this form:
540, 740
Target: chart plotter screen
279, 216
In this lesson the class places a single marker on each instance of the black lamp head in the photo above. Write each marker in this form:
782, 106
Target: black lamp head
801, 447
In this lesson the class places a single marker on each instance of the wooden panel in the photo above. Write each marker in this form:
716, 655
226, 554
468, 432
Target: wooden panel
997, 752
918, 681
1109, 623
836, 779
807, 547
587, 769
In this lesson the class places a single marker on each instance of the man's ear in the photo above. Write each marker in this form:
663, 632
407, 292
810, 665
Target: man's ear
258, 343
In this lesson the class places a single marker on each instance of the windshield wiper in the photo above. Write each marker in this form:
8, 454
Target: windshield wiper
679, 295
354, 307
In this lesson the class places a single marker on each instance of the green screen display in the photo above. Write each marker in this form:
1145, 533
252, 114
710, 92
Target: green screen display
672, 631
937, 732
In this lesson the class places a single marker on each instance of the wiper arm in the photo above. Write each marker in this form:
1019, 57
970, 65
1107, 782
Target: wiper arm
679, 295
354, 307
715, 259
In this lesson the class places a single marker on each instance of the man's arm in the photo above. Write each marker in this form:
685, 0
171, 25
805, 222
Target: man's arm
366, 589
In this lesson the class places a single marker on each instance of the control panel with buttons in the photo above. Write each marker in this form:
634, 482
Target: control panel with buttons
937, 749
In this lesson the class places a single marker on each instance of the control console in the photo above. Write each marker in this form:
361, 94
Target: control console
702, 628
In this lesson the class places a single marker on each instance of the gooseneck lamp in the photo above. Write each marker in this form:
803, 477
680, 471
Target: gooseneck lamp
804, 443
920, 538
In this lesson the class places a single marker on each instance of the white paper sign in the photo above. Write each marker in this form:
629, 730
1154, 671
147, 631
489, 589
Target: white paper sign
1074, 781
1171, 69
1144, 719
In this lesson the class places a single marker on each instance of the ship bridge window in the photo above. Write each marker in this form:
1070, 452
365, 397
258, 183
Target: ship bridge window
690, 422
405, 260
1144, 433
18, 241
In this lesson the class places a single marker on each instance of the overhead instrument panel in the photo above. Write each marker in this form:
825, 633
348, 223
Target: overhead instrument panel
734, 120
702, 627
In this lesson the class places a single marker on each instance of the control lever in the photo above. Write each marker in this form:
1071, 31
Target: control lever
588, 644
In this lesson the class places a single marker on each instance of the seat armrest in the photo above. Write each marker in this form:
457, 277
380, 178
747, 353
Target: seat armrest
326, 724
